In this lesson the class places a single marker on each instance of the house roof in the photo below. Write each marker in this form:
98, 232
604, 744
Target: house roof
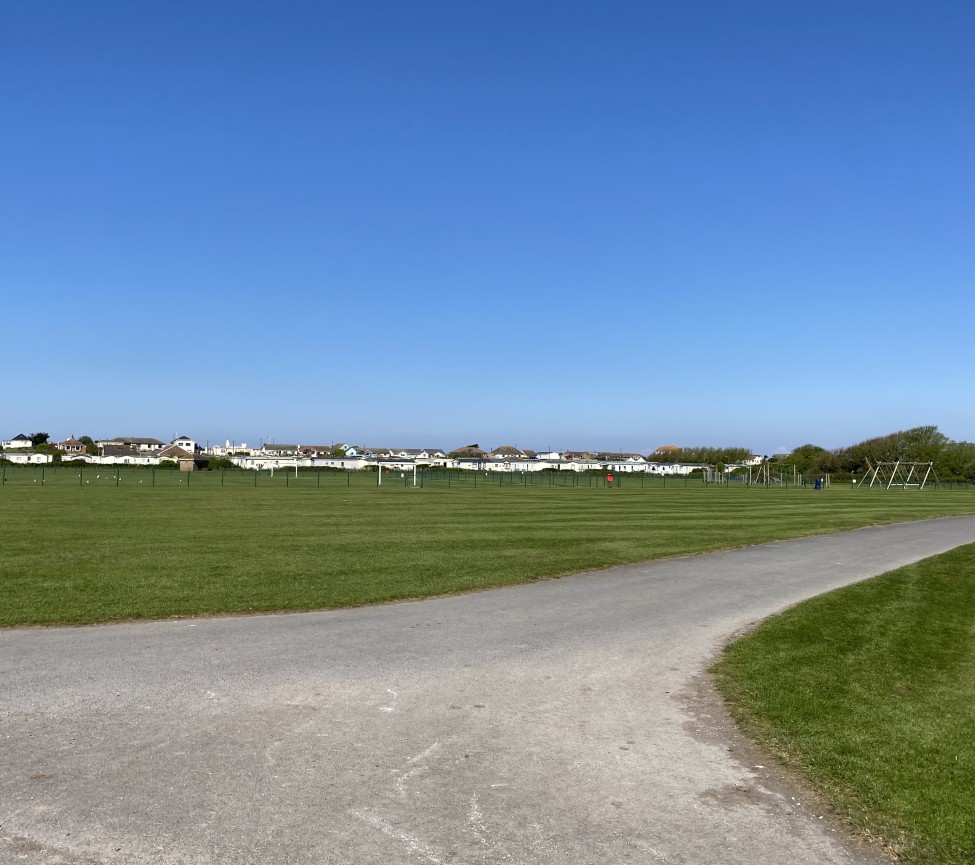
173, 451
506, 451
136, 441
119, 451
469, 451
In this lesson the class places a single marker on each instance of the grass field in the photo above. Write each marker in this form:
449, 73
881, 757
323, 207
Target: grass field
869, 692
119, 548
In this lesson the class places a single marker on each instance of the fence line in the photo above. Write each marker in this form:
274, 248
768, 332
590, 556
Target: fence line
127, 476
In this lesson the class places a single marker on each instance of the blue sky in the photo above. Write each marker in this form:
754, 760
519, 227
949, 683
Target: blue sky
568, 225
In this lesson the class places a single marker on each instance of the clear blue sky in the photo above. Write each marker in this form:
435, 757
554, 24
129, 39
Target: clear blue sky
567, 225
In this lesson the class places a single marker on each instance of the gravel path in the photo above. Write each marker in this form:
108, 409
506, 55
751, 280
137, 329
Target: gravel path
562, 722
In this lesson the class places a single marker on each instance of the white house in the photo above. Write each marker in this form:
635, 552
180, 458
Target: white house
261, 462
229, 448
18, 442
551, 455
271, 449
623, 463
186, 443
421, 456
129, 459
679, 469
579, 464
22, 457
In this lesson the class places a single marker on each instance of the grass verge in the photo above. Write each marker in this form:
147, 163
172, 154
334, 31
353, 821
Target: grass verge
869, 693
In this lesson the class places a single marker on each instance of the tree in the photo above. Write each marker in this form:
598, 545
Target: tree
38, 438
90, 447
808, 458
921, 444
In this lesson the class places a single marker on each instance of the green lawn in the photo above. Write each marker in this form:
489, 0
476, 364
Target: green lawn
869, 692
83, 549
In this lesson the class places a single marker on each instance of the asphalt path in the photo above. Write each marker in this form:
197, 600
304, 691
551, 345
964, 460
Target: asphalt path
566, 721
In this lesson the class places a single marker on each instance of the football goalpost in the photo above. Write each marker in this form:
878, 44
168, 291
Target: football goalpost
900, 473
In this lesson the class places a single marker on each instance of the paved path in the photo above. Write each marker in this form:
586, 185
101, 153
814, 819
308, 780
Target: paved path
561, 722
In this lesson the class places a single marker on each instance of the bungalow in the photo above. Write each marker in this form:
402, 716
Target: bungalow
680, 469
175, 453
510, 463
271, 449
315, 451
622, 462
143, 445
226, 450
347, 463
19, 456
578, 455
505, 451
427, 456
391, 464
124, 455
423, 455
18, 442
259, 462
71, 446
580, 464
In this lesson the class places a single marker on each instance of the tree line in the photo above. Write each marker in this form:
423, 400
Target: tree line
953, 460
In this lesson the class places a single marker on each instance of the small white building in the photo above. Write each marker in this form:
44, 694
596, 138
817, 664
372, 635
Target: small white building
679, 469
22, 457
273, 449
226, 450
621, 463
